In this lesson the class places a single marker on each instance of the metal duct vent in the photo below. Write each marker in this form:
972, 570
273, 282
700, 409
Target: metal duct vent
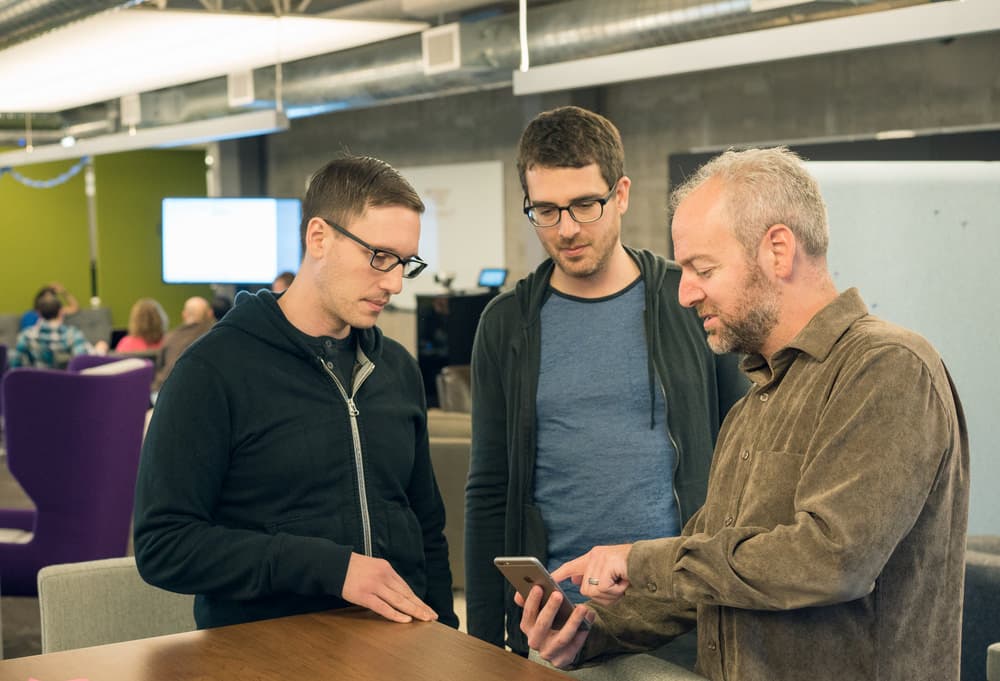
239, 89
442, 49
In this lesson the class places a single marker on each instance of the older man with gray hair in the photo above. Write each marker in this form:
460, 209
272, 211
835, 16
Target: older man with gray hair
831, 544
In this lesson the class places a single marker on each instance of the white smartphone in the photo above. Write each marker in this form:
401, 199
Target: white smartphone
524, 572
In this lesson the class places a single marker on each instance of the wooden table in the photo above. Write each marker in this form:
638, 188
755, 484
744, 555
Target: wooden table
348, 645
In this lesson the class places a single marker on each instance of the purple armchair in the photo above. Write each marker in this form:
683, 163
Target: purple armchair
3, 370
80, 362
73, 442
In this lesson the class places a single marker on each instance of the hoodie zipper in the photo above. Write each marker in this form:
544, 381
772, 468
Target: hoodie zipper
661, 383
677, 459
359, 462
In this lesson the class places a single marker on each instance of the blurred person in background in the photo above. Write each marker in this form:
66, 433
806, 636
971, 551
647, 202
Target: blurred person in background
282, 282
49, 343
147, 324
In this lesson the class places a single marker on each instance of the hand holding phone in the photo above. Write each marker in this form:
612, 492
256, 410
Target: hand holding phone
524, 572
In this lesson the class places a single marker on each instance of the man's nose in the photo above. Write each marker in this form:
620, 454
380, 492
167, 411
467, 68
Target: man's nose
568, 227
689, 294
392, 281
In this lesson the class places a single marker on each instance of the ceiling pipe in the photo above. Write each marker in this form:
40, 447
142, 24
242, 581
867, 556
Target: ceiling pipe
22, 20
392, 71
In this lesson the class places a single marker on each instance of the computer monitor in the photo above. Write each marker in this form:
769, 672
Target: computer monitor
229, 240
492, 277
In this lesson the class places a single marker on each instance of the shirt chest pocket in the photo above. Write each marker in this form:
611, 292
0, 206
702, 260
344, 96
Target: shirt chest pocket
771, 480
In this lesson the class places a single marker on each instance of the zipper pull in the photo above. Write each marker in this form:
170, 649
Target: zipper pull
353, 408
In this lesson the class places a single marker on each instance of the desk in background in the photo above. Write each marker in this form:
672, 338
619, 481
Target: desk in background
343, 644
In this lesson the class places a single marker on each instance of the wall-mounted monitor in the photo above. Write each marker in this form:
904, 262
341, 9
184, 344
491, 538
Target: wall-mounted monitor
229, 240
492, 277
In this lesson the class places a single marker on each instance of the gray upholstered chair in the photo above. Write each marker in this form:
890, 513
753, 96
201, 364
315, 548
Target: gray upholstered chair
105, 601
94, 323
450, 436
10, 326
981, 613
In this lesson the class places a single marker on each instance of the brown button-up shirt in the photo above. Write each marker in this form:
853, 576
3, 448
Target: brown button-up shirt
831, 544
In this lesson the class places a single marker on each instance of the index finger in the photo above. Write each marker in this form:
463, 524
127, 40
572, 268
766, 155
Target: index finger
571, 568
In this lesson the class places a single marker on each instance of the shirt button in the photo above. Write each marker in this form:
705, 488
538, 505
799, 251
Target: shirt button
711, 645
746, 454
651, 587
729, 521
763, 397
328, 343
329, 365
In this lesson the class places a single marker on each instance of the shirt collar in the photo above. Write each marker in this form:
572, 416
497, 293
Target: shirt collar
818, 337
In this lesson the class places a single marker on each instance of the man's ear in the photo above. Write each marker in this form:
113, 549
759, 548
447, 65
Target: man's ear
778, 250
316, 236
621, 193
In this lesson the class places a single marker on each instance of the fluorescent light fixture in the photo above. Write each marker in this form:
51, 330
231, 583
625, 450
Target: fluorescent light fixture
888, 27
125, 51
182, 134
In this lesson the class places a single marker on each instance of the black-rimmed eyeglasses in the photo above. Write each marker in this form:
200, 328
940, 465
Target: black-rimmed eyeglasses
384, 261
581, 210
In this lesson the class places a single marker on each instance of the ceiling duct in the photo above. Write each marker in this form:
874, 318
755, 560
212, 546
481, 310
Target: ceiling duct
393, 71
22, 20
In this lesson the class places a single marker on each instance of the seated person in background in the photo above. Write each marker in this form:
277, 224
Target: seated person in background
196, 319
50, 344
220, 306
282, 282
287, 467
147, 322
69, 304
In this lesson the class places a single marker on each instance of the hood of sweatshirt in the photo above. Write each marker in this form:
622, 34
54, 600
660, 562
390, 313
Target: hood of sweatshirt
258, 315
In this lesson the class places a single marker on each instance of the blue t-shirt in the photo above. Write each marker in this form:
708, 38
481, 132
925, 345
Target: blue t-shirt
602, 475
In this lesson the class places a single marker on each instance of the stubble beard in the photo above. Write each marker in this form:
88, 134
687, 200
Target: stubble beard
755, 319
594, 262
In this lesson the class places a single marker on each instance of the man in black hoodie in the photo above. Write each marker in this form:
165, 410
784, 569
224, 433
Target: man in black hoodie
286, 468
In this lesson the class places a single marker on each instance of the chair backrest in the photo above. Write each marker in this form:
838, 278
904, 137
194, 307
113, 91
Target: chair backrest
73, 444
450, 435
81, 362
453, 388
981, 611
3, 370
105, 601
116, 366
96, 324
10, 326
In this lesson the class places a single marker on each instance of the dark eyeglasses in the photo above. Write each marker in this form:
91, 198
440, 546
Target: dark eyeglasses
383, 261
581, 210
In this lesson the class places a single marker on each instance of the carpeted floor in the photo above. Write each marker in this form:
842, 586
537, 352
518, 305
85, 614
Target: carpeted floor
19, 615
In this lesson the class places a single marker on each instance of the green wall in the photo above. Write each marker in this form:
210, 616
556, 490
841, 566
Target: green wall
44, 232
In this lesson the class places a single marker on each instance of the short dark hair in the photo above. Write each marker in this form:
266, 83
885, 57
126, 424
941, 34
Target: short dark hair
285, 278
220, 306
344, 188
47, 303
571, 137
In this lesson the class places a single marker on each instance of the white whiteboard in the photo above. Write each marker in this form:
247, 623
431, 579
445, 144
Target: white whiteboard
921, 241
462, 230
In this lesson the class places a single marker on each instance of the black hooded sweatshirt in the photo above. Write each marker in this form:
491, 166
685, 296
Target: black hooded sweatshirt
262, 472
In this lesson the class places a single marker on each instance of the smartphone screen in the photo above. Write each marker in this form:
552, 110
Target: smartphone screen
524, 572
